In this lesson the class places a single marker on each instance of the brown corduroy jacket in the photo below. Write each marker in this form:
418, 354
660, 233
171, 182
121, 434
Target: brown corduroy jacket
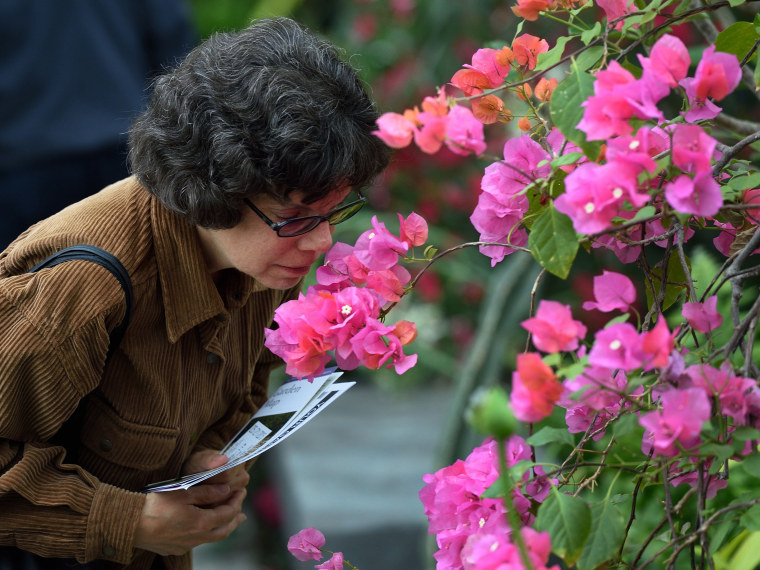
188, 373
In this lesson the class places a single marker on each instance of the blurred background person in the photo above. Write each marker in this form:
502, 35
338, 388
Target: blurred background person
73, 75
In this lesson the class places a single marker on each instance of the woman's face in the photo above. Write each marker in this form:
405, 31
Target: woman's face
253, 248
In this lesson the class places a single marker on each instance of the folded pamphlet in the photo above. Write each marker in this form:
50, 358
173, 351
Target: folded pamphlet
290, 407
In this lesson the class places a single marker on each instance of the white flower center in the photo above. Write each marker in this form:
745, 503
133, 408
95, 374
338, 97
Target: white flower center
634, 145
346, 309
371, 235
615, 344
482, 522
494, 546
589, 207
617, 192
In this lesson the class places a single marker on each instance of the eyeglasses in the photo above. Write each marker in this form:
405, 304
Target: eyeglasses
298, 226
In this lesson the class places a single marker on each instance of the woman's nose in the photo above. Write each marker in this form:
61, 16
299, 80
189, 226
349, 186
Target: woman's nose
319, 239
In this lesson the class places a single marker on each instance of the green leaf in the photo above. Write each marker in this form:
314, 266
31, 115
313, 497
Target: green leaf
751, 464
550, 58
624, 425
751, 519
550, 434
553, 242
566, 110
738, 39
745, 433
675, 282
589, 57
567, 519
592, 33
569, 158
607, 533
745, 181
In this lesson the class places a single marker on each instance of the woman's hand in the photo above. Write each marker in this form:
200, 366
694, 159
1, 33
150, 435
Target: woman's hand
175, 522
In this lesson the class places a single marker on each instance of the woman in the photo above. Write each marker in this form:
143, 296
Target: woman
245, 151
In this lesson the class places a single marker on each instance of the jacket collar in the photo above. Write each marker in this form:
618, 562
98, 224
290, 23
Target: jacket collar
190, 295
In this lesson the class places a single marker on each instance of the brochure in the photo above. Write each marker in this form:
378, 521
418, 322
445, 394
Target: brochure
287, 410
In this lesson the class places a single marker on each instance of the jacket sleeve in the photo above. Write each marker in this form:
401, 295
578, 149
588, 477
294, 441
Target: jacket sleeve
53, 345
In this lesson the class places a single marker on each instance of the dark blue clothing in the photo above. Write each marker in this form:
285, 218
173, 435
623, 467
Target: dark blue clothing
73, 75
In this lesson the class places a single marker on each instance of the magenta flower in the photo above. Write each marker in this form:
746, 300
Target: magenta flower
692, 148
717, 74
678, 423
699, 109
378, 248
703, 317
553, 328
394, 130
612, 291
668, 60
596, 398
614, 9
700, 196
639, 150
464, 133
738, 397
595, 194
413, 229
657, 345
305, 545
617, 346
334, 563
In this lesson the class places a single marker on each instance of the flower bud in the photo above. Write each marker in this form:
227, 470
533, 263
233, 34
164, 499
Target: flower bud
490, 414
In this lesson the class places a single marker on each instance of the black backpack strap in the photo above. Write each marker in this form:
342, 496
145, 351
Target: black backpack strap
104, 259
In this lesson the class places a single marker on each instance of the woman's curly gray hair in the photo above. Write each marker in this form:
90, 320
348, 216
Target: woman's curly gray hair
267, 110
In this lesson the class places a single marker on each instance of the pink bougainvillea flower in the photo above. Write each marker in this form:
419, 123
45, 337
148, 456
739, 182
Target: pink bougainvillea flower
529, 9
525, 162
692, 148
614, 9
699, 109
305, 545
700, 196
593, 398
553, 328
334, 274
595, 194
374, 346
489, 62
619, 97
657, 345
395, 130
334, 563
738, 397
638, 150
464, 133
612, 291
430, 135
678, 423
436, 106
617, 346
703, 317
535, 388
717, 75
413, 229
378, 248
655, 228
526, 49
668, 60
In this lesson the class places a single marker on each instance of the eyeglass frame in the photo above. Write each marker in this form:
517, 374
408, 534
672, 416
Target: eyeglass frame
277, 226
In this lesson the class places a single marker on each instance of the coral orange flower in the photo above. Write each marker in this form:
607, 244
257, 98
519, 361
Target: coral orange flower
526, 49
487, 109
535, 388
529, 9
545, 88
471, 81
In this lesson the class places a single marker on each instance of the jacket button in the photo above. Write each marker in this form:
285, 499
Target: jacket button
109, 551
212, 358
106, 445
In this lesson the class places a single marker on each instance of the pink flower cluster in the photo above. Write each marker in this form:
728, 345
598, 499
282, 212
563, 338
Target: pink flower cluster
307, 545
472, 532
341, 314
